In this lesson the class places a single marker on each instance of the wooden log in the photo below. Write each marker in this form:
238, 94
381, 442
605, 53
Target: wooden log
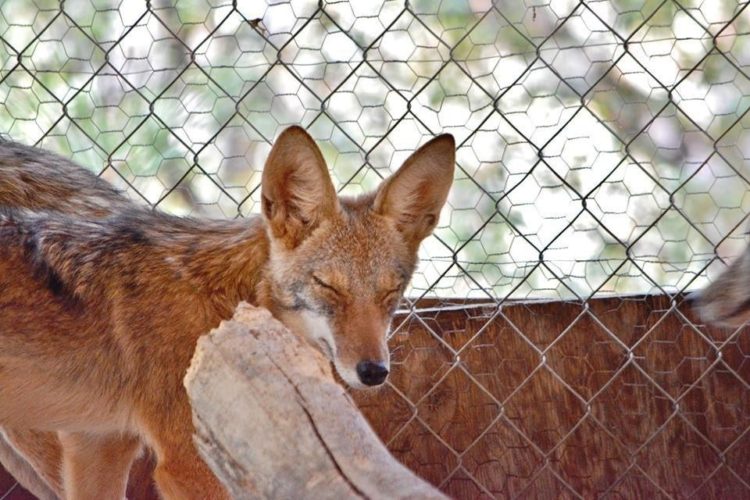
271, 421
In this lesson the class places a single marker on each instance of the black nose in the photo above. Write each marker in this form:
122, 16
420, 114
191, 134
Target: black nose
372, 372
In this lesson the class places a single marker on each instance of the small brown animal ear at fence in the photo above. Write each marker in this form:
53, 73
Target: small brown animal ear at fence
271, 421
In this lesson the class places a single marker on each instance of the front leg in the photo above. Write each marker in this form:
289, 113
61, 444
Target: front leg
33, 458
180, 472
97, 466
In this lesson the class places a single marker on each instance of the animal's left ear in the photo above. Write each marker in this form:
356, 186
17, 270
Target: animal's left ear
415, 194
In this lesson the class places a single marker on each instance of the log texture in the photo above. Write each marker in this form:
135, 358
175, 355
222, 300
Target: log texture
271, 421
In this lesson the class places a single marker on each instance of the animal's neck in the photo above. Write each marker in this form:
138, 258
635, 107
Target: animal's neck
226, 262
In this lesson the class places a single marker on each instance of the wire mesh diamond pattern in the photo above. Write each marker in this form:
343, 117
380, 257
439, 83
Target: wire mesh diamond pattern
602, 152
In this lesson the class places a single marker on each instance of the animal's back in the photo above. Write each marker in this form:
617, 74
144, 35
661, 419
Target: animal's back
123, 273
84, 310
37, 328
39, 180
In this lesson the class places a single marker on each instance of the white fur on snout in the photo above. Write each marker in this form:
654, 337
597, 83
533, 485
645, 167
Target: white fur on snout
319, 331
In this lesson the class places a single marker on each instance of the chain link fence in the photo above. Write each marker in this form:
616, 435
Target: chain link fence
602, 147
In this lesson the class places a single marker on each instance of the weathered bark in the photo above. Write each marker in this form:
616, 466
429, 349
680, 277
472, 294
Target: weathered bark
271, 421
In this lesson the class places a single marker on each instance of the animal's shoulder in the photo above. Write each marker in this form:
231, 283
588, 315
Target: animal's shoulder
76, 257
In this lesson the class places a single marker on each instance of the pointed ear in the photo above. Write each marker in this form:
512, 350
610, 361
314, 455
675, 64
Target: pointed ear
415, 194
296, 189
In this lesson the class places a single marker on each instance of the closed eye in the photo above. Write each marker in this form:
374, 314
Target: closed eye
325, 285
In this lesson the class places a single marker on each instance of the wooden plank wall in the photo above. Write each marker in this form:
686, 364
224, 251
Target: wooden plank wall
619, 397
614, 398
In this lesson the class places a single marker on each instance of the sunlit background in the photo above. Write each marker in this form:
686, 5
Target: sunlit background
603, 145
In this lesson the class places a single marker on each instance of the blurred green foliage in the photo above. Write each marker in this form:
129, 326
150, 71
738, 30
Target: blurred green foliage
603, 144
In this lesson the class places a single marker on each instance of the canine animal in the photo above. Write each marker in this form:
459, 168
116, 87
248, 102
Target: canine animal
99, 314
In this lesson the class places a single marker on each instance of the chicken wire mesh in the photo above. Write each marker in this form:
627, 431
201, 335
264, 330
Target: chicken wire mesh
602, 145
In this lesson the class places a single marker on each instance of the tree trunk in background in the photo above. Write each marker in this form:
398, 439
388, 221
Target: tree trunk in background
271, 421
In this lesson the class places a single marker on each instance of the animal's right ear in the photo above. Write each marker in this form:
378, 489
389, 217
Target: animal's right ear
415, 194
296, 189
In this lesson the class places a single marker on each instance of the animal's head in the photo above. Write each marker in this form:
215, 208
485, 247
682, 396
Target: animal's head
726, 301
338, 266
